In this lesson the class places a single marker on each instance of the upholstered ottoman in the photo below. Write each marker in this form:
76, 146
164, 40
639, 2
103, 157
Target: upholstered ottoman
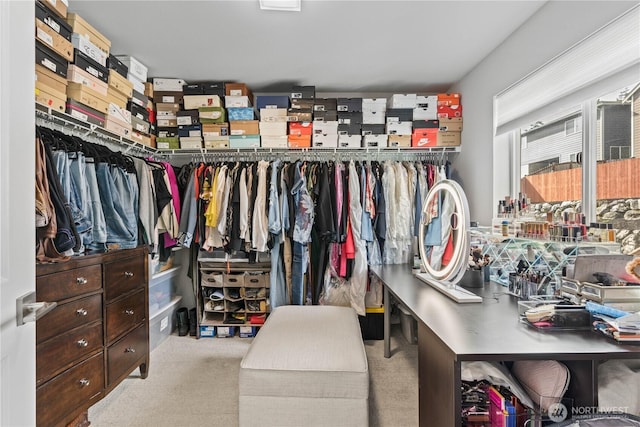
306, 367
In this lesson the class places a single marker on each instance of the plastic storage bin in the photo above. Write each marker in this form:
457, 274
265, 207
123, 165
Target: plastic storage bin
163, 322
408, 324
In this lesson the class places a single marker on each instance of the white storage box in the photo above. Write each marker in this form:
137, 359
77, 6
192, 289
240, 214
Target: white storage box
163, 322
403, 100
136, 67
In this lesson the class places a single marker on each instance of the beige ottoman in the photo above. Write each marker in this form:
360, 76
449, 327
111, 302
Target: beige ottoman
306, 367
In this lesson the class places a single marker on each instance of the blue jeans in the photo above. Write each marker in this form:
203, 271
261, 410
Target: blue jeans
80, 197
278, 292
99, 232
298, 267
116, 198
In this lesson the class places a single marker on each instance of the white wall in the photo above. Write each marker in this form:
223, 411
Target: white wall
554, 28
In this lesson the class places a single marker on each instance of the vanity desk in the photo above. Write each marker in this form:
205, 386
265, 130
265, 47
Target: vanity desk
450, 333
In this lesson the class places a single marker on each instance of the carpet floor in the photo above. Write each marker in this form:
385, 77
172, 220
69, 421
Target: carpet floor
195, 383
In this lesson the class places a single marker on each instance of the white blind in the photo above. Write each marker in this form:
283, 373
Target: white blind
604, 62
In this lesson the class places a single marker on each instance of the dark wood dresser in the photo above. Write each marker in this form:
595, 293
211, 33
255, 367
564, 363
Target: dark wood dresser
96, 335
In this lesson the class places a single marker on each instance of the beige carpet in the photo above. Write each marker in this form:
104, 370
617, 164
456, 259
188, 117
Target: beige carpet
195, 383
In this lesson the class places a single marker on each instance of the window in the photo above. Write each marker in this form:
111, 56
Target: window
570, 127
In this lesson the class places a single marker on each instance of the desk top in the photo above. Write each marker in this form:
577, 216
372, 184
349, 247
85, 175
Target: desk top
491, 330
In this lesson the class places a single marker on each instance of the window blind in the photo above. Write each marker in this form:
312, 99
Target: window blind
606, 61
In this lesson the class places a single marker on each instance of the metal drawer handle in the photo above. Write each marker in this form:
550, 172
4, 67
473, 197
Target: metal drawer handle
128, 274
129, 312
130, 350
81, 312
81, 281
83, 343
84, 382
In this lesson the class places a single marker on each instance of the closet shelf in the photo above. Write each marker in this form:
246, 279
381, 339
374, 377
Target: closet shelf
69, 125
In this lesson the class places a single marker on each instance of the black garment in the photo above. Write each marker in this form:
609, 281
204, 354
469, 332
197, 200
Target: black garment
235, 242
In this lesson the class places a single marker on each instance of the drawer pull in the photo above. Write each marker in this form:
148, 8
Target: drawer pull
130, 350
83, 343
81, 312
81, 281
129, 312
84, 382
128, 274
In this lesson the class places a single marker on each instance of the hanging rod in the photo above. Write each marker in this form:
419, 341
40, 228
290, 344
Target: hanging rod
69, 125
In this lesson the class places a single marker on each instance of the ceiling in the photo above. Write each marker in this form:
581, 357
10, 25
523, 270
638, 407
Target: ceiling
338, 46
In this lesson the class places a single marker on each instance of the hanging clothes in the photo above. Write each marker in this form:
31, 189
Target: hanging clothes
358, 280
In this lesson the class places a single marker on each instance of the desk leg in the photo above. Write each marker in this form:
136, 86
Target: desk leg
387, 323
439, 381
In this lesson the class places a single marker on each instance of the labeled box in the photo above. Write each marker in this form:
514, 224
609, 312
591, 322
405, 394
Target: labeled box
136, 68
399, 115
53, 20
190, 131
169, 107
120, 114
119, 83
168, 132
350, 118
92, 51
299, 141
78, 75
399, 100
300, 115
453, 124
355, 129
236, 89
187, 117
234, 114
273, 129
59, 7
325, 104
118, 66
50, 90
207, 331
168, 143
193, 89
303, 92
87, 97
425, 124
373, 129
399, 128
216, 142
240, 101
139, 98
449, 111
448, 99
215, 129
328, 128
193, 102
213, 88
84, 113
168, 84
167, 123
324, 140
374, 140
349, 141
425, 113
51, 60
138, 85
325, 116
49, 99
350, 105
272, 101
374, 117
138, 111
212, 114
302, 104
82, 27
51, 79
90, 66
399, 141
374, 104
244, 141
301, 128
244, 127
225, 331
425, 138
139, 125
48, 36
274, 141
190, 142
273, 114
141, 138
449, 139
247, 331
117, 127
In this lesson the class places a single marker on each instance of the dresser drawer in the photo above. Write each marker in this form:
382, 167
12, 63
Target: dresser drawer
122, 276
124, 356
67, 284
68, 316
61, 352
124, 314
77, 386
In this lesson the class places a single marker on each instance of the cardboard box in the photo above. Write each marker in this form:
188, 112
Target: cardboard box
51, 79
120, 84
301, 104
244, 141
273, 129
167, 106
355, 129
168, 143
114, 63
395, 115
244, 127
117, 127
82, 27
92, 51
350, 118
167, 123
325, 116
213, 88
430, 113
425, 138
138, 85
53, 20
273, 114
50, 90
207, 331
373, 117
426, 101
78, 75
234, 114
303, 92
48, 36
50, 100
449, 139
399, 141
212, 114
425, 124
453, 124
87, 97
59, 7
225, 331
191, 142
324, 140
215, 130
139, 98
168, 132
399, 100
374, 104
168, 84
325, 104
299, 141
373, 129
162, 97
300, 115
120, 114
86, 114
449, 111
240, 101
193, 89
190, 131
329, 128
272, 101
139, 125
400, 128
349, 141
374, 141
138, 111
141, 138
148, 89
193, 102
301, 128
350, 105
115, 97
51, 60
247, 331
448, 99
136, 68
236, 89
187, 117
274, 141
90, 66
216, 142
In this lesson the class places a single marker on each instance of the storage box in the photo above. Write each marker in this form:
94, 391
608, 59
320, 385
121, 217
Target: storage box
139, 125
325, 104
187, 117
215, 129
395, 115
139, 98
374, 104
225, 331
193, 102
51, 79
168, 97
400, 128
247, 331
168, 143
303, 92
374, 117
167, 132
51, 60
425, 113
216, 142
90, 66
419, 125
211, 115
300, 115
78, 75
167, 106
239, 101
168, 123
299, 141
236, 89
453, 124
372, 323
448, 99
350, 105
91, 50
301, 128
273, 129
350, 118
325, 140
325, 116
449, 139
51, 100
57, 6
190, 131
244, 141
47, 35
81, 27
207, 331
136, 68
141, 138
399, 100
235, 113
168, 84
84, 113
244, 127
119, 83
353, 129
118, 127
302, 104
273, 114
374, 141
118, 113
349, 141
373, 129
190, 143
327, 128
449, 111
50, 90
118, 66
87, 97
138, 111
425, 138
399, 141
429, 102
272, 101
115, 97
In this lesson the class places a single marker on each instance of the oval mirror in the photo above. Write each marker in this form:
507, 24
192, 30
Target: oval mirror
444, 237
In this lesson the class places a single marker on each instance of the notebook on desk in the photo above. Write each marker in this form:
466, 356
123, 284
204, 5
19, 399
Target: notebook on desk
456, 293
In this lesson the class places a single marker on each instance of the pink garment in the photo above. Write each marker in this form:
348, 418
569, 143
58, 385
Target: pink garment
175, 195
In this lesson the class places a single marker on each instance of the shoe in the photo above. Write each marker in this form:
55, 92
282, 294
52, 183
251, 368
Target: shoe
256, 319
253, 305
214, 306
234, 318
233, 293
183, 321
251, 292
216, 295
234, 306
193, 322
